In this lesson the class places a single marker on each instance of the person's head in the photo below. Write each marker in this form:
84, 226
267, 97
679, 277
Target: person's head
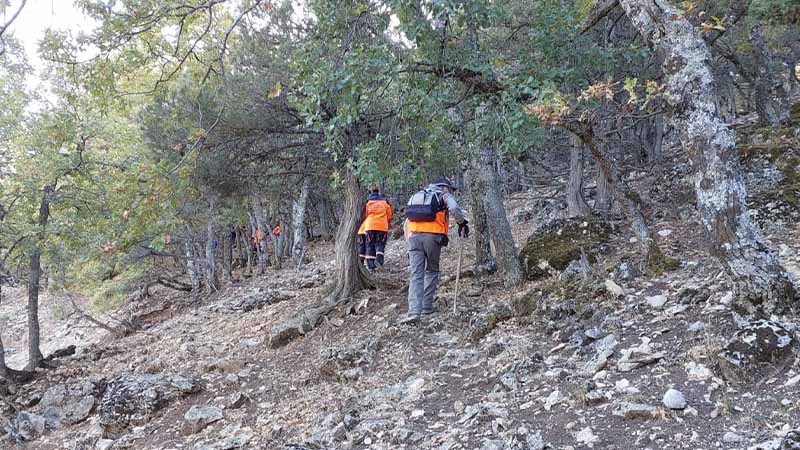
444, 184
374, 189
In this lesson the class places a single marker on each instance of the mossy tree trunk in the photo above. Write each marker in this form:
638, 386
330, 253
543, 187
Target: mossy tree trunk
761, 284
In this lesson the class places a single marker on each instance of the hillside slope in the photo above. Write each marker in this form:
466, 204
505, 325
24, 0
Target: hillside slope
559, 363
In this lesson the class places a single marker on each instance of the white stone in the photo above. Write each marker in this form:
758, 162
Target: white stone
624, 386
417, 413
731, 438
657, 301
792, 381
664, 233
773, 444
553, 399
614, 289
697, 327
103, 444
674, 399
587, 437
697, 371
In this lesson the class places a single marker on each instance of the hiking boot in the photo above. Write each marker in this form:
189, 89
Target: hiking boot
409, 319
433, 310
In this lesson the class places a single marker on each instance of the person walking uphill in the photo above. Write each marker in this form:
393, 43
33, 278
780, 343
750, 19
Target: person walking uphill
428, 212
377, 214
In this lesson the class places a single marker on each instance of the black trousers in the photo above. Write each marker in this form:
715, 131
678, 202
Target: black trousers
376, 245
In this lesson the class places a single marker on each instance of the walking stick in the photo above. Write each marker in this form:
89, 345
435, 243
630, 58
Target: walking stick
458, 273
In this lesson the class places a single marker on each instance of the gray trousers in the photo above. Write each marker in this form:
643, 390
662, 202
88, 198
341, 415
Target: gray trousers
424, 250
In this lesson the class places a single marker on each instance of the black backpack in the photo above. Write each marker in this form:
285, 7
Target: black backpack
423, 206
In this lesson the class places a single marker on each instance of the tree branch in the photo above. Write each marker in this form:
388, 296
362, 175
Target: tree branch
8, 23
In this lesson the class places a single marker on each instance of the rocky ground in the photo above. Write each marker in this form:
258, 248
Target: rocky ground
586, 356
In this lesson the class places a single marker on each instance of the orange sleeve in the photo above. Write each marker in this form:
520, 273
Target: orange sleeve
388, 211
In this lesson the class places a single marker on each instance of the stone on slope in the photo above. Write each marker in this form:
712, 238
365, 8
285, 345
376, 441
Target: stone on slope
634, 411
603, 349
587, 437
132, 400
791, 441
697, 371
614, 289
25, 427
535, 441
732, 438
657, 301
200, 417
558, 243
70, 403
758, 343
674, 399
459, 359
296, 326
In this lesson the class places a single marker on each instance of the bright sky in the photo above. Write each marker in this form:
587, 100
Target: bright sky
39, 15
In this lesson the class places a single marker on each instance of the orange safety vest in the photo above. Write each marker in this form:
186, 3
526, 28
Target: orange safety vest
438, 226
378, 214
363, 228
277, 230
257, 236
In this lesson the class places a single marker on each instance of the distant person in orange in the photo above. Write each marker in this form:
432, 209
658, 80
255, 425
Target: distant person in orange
362, 242
277, 230
377, 214
256, 239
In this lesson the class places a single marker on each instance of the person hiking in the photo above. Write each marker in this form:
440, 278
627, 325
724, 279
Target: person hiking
377, 214
362, 243
428, 212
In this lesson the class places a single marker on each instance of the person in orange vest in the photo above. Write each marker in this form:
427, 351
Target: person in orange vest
362, 242
428, 213
277, 230
377, 214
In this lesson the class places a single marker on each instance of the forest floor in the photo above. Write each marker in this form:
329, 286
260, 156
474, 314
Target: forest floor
586, 367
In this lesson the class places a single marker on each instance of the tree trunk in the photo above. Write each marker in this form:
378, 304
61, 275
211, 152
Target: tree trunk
299, 222
654, 153
508, 263
576, 203
3, 368
264, 230
327, 216
212, 277
227, 249
772, 101
480, 228
628, 200
191, 263
35, 356
603, 201
286, 238
349, 276
761, 284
